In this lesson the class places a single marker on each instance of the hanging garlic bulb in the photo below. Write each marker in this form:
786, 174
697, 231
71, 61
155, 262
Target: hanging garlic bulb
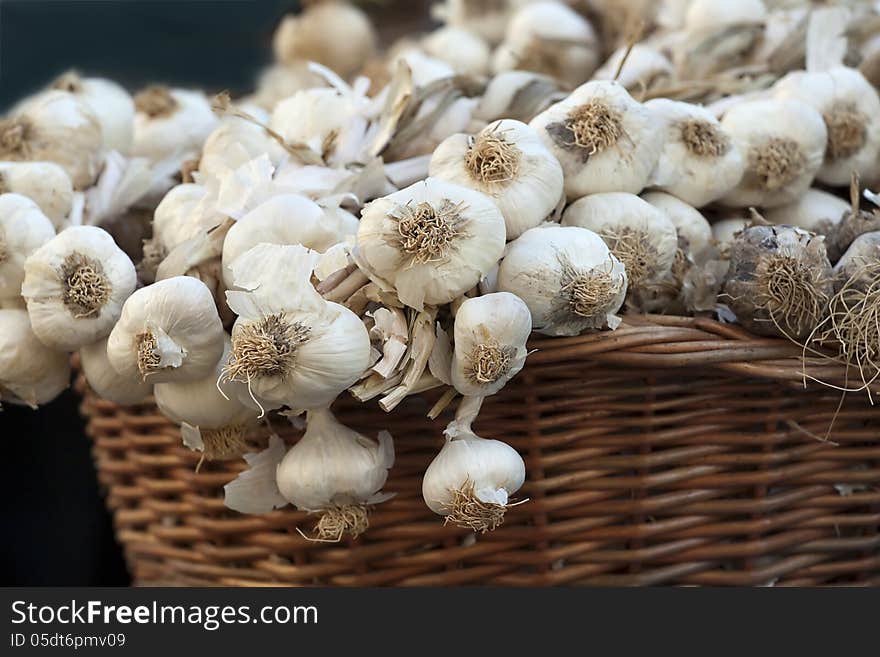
75, 285
566, 276
815, 211
106, 382
46, 183
289, 345
604, 139
518, 95
645, 68
508, 162
430, 242
462, 49
233, 143
111, 103
30, 373
168, 331
850, 107
783, 143
699, 162
549, 38
55, 126
23, 229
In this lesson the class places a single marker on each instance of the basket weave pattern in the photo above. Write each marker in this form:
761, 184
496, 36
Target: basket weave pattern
671, 451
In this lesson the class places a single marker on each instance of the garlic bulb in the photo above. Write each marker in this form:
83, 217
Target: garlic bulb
815, 211
718, 35
566, 276
489, 20
850, 108
508, 162
335, 34
604, 139
235, 142
106, 381
518, 95
472, 478
549, 38
783, 143
289, 345
490, 343
858, 266
46, 183
282, 81
75, 285
55, 126
726, 230
699, 162
642, 237
694, 232
23, 229
286, 219
170, 125
112, 105
463, 50
168, 331
30, 373
430, 242
645, 67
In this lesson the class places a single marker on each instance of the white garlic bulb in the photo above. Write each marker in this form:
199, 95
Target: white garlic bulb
508, 162
783, 144
106, 381
286, 219
462, 49
111, 103
289, 345
699, 162
815, 211
170, 125
489, 20
694, 232
724, 231
176, 219
567, 277
30, 373
168, 331
605, 140
850, 107
549, 38
55, 126
645, 67
75, 285
23, 229
642, 237
233, 143
430, 242
335, 34
519, 95
282, 81
490, 343
46, 183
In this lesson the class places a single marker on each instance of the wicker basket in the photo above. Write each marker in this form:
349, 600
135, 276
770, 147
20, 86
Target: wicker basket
672, 451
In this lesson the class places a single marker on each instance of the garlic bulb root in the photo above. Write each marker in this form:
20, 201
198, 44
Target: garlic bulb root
337, 521
266, 348
469, 511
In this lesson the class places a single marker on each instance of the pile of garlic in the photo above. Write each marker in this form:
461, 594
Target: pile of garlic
385, 223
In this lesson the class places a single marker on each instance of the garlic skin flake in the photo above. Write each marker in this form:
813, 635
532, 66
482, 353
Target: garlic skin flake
508, 162
46, 183
106, 381
23, 229
30, 373
699, 162
567, 277
490, 343
75, 285
168, 331
430, 242
605, 140
235, 142
815, 211
111, 104
783, 144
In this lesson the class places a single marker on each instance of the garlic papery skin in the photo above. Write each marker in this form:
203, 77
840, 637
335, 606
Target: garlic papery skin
335, 34
430, 242
168, 331
490, 343
815, 211
642, 237
30, 372
508, 162
605, 140
699, 162
567, 277
106, 381
55, 126
462, 49
170, 125
549, 38
645, 67
282, 81
289, 345
45, 183
111, 103
782, 143
75, 285
23, 229
689, 223
518, 95
472, 478
337, 472
850, 107
285, 219
235, 142
718, 35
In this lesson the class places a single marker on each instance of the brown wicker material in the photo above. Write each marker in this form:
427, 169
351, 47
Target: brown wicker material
672, 451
